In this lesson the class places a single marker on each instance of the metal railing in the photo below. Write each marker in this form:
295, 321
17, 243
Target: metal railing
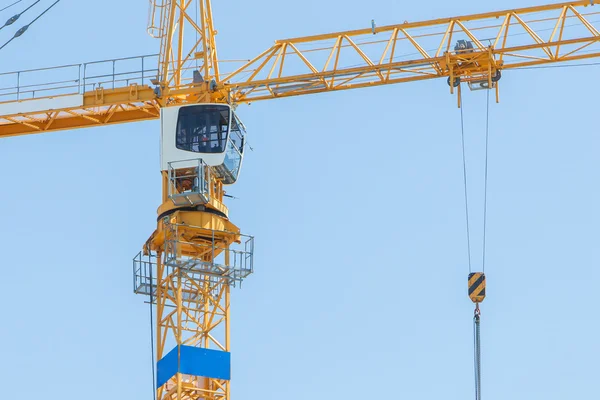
144, 273
211, 257
229, 262
189, 182
78, 78
157, 14
211, 260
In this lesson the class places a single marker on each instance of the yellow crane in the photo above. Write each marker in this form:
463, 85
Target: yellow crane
189, 263
384, 55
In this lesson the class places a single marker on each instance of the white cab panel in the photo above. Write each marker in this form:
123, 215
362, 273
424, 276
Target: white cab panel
195, 131
210, 132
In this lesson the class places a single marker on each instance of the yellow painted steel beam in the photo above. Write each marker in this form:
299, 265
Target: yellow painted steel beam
193, 305
407, 52
100, 107
414, 51
187, 40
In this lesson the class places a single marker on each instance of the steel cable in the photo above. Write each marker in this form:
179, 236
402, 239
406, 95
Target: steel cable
465, 181
10, 5
24, 28
15, 17
476, 318
464, 156
477, 351
485, 189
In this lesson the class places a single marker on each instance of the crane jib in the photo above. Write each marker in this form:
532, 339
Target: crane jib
502, 40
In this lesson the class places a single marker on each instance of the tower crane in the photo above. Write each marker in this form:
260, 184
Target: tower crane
196, 254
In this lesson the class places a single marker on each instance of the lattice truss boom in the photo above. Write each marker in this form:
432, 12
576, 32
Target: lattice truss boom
406, 52
418, 51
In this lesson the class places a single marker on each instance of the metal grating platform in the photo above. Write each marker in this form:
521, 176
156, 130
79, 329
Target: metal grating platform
231, 264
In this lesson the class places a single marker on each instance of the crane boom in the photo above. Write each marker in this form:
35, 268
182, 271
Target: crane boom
189, 264
406, 52
421, 50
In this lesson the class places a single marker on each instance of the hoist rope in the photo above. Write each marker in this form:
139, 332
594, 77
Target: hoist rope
485, 189
464, 156
465, 181
476, 318
477, 350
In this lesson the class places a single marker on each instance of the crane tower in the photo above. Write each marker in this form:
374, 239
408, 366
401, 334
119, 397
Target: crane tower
189, 264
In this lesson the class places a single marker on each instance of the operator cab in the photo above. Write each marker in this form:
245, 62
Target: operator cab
211, 132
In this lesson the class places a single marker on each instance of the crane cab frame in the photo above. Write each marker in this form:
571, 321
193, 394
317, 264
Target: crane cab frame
211, 132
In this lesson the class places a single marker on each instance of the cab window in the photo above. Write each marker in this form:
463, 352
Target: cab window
203, 128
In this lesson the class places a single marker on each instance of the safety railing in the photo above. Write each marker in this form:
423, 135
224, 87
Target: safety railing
157, 14
207, 258
210, 257
189, 182
78, 78
144, 273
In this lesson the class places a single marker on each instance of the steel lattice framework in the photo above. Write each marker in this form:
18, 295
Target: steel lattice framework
406, 52
187, 267
192, 260
420, 50
192, 305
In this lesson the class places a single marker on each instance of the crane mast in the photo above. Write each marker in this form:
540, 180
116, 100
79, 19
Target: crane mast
188, 52
189, 264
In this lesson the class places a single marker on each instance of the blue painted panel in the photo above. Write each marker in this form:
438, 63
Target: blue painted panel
194, 361
166, 368
204, 362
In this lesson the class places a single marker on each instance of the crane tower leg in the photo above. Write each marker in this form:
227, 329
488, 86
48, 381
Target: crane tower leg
188, 267
192, 325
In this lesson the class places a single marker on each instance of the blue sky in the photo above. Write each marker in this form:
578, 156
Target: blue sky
356, 202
